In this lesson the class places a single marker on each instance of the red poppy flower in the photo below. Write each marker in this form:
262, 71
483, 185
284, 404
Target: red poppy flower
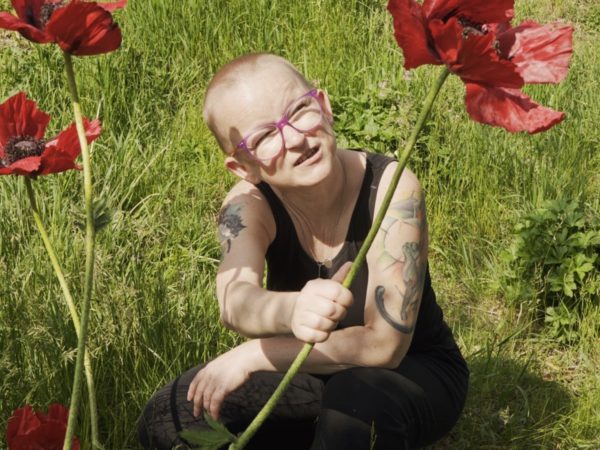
23, 149
475, 40
79, 27
32, 430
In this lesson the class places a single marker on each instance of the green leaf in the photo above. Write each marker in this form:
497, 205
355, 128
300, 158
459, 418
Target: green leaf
211, 439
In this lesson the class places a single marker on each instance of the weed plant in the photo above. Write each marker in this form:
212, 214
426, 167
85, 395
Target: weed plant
159, 171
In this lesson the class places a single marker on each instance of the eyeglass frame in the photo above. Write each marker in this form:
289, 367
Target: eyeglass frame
280, 124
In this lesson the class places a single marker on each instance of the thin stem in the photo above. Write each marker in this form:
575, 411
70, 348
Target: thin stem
70, 303
243, 439
90, 234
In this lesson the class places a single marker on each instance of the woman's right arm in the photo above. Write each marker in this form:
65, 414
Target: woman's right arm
246, 229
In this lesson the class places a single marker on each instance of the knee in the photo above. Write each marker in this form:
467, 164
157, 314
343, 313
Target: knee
145, 425
155, 428
350, 391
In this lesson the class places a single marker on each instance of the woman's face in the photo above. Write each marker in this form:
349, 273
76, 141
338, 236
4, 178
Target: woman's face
263, 97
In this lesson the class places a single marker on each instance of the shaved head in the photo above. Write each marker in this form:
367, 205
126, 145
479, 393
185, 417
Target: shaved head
233, 81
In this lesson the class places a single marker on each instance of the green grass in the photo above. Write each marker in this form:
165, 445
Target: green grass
155, 313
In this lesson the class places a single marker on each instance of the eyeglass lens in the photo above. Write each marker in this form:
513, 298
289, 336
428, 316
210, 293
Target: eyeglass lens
304, 115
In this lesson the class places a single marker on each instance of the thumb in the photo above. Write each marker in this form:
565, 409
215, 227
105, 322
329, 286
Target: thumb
340, 275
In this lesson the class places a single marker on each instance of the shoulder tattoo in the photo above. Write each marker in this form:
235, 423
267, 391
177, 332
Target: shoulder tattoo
230, 224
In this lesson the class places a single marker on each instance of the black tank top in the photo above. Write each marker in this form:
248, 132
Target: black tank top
289, 267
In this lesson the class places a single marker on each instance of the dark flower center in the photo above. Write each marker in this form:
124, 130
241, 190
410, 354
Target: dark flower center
470, 27
47, 10
19, 147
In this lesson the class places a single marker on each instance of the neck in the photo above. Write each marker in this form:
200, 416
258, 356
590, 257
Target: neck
320, 214
322, 203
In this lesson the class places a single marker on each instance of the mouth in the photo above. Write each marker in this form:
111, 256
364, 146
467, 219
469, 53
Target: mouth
306, 155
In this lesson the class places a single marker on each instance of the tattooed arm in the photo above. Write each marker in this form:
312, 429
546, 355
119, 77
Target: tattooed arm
246, 228
402, 255
397, 263
397, 267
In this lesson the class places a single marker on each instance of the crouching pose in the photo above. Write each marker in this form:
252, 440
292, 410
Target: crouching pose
385, 372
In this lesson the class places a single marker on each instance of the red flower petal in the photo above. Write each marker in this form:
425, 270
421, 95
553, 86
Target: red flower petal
83, 28
25, 166
20, 116
509, 109
480, 11
473, 58
411, 33
10, 22
55, 161
22, 421
29, 10
58, 412
49, 436
541, 52
110, 7
68, 141
29, 430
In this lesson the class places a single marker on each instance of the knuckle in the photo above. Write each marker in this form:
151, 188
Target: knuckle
331, 310
320, 336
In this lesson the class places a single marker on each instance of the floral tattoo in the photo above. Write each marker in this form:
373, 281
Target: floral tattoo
408, 262
230, 225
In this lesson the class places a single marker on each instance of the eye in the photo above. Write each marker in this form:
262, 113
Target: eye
260, 136
299, 106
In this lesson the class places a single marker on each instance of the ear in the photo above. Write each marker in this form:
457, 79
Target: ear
326, 105
242, 169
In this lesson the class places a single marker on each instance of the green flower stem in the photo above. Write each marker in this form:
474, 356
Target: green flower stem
243, 439
70, 304
90, 234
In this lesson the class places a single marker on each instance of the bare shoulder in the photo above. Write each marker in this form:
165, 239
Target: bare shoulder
246, 210
408, 185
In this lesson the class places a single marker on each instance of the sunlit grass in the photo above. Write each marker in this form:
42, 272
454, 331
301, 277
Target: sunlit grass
155, 313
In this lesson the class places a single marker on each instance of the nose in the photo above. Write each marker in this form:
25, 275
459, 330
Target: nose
292, 138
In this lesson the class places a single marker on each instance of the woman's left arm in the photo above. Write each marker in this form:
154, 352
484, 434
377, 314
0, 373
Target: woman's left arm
397, 264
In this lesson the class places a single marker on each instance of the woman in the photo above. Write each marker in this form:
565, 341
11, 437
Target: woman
385, 372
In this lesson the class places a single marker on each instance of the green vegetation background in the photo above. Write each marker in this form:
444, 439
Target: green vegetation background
155, 312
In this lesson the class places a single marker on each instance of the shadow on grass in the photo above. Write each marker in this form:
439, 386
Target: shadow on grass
509, 406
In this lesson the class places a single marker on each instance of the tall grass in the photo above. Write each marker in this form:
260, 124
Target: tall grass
155, 312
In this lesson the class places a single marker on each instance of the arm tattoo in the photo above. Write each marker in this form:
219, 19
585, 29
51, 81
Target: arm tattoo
409, 262
379, 291
230, 225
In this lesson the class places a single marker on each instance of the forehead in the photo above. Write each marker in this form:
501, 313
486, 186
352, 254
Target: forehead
256, 96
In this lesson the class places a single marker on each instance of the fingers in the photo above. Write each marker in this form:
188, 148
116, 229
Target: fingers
344, 298
215, 404
310, 335
342, 272
329, 290
195, 394
320, 305
330, 310
318, 322
202, 396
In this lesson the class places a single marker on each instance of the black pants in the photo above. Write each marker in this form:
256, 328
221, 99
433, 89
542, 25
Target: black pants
405, 408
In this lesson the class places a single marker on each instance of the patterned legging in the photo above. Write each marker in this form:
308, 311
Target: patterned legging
354, 409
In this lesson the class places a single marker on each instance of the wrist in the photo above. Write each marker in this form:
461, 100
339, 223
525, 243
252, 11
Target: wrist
288, 305
250, 355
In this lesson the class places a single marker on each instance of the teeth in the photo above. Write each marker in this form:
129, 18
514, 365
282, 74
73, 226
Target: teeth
304, 157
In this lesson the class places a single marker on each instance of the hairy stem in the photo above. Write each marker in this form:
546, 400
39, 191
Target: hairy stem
90, 234
243, 439
87, 362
